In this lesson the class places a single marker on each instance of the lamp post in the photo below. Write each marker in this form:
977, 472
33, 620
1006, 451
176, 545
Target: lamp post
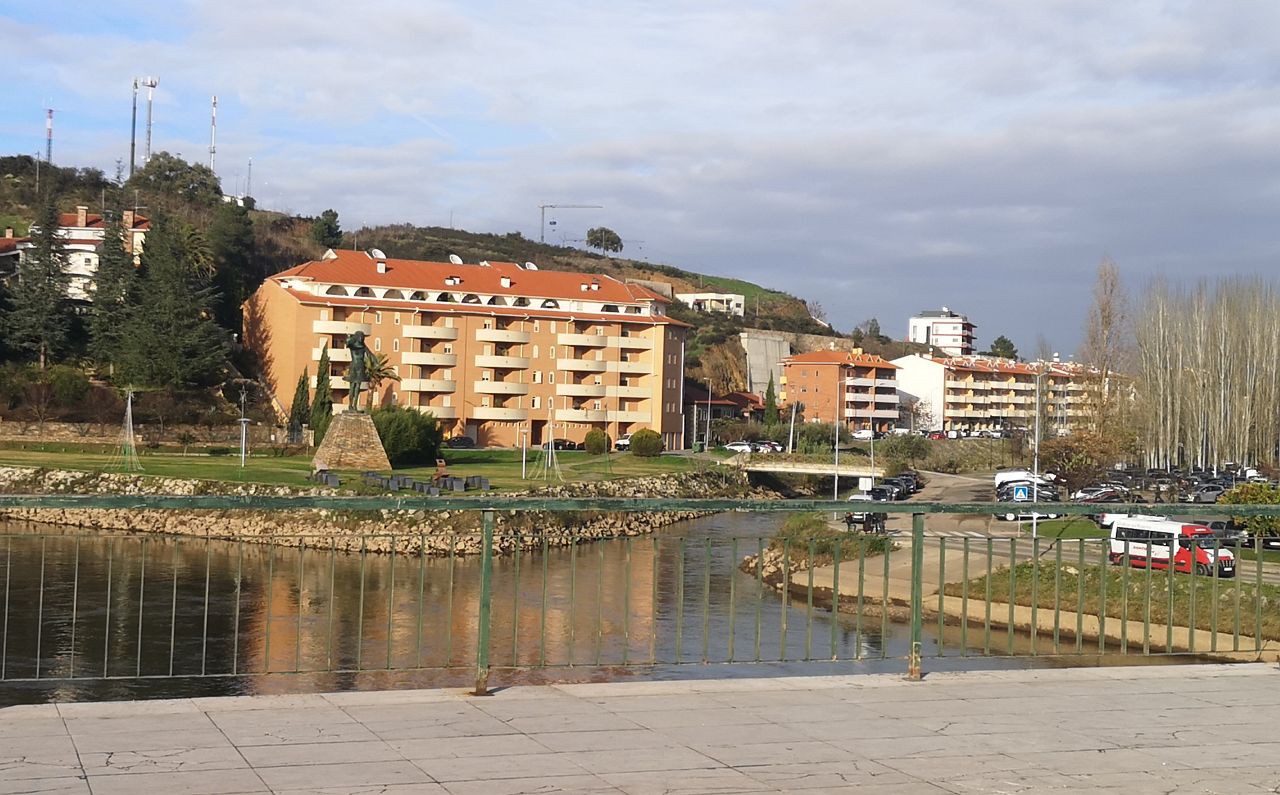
244, 429
1035, 471
524, 451
706, 439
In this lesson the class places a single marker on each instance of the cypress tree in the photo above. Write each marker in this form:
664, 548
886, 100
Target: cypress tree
322, 402
770, 404
39, 318
232, 245
170, 338
108, 316
300, 411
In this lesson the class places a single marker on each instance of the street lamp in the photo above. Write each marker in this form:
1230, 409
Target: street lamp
706, 439
1035, 471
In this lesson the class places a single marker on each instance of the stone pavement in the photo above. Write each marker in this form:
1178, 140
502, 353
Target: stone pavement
1204, 728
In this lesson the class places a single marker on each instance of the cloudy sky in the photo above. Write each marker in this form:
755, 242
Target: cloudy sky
878, 157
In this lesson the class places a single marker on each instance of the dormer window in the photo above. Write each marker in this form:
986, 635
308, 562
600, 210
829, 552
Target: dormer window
470, 298
550, 303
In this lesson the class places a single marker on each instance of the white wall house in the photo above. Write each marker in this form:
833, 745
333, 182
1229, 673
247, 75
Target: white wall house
82, 233
725, 303
945, 330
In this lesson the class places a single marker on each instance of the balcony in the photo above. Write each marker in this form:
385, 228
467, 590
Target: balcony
335, 354
500, 388
335, 382
859, 381
890, 397
887, 383
583, 365
339, 327
581, 390
641, 392
632, 343
502, 335
488, 413
583, 340
635, 368
582, 415
959, 384
429, 359
430, 332
503, 362
629, 416
439, 412
427, 385
884, 414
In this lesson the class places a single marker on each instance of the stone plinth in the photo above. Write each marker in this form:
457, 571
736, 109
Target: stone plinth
352, 443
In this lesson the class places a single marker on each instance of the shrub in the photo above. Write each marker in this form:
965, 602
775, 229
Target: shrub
408, 435
646, 443
597, 442
69, 385
216, 450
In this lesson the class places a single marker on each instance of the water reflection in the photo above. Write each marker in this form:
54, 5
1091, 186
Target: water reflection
133, 607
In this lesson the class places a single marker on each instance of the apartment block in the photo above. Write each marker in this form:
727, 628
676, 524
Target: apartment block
945, 330
506, 354
973, 393
858, 389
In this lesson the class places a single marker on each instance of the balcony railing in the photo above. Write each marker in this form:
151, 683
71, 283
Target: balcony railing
423, 359
500, 388
581, 390
582, 415
430, 332
335, 354
339, 327
583, 340
503, 362
503, 335
491, 413
582, 365
428, 385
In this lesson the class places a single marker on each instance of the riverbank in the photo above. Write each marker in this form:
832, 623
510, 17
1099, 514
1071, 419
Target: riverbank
405, 531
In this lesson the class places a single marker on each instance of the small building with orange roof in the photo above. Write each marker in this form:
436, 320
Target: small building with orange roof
858, 389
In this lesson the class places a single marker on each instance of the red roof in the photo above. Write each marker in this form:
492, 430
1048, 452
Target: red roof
94, 221
839, 357
358, 268
9, 245
980, 364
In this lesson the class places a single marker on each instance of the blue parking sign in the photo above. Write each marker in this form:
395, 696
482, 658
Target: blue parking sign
1021, 493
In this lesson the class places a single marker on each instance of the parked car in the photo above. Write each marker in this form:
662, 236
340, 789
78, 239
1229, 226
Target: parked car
460, 443
739, 447
937, 435
624, 443
1209, 492
560, 444
864, 434
881, 494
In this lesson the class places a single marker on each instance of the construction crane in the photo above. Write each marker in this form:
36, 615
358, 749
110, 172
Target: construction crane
542, 226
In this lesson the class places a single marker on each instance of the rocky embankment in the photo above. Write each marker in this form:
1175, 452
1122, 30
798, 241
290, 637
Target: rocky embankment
405, 531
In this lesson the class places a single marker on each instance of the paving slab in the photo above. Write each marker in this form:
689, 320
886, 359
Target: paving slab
1180, 729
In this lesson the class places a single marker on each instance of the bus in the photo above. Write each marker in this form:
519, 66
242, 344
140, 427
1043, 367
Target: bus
1150, 541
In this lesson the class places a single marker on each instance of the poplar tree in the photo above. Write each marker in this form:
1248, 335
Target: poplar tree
770, 404
39, 318
322, 401
109, 313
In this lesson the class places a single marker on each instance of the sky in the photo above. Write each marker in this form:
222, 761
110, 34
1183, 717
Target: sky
877, 157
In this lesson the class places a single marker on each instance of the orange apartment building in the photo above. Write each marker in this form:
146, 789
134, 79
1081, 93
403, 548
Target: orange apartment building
506, 354
859, 388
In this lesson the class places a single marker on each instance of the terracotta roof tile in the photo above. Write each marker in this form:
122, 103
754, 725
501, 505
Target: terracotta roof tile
840, 357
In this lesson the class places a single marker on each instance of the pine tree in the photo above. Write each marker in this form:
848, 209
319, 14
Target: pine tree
770, 404
39, 318
109, 314
300, 411
231, 243
170, 338
322, 401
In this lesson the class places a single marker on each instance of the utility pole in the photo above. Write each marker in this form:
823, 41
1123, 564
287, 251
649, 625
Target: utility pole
48, 136
133, 129
150, 84
213, 133
542, 225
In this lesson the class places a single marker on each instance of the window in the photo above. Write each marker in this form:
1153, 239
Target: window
448, 349
486, 375
551, 377
535, 352
485, 401
551, 352
553, 327
599, 380
596, 405
488, 324
397, 318
447, 375
377, 343
377, 317
537, 376
395, 344
537, 325
324, 314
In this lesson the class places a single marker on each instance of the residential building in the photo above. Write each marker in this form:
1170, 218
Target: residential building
82, 233
503, 353
724, 303
945, 330
976, 393
701, 406
10, 254
859, 389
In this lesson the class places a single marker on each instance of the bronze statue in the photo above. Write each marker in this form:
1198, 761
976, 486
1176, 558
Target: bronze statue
356, 372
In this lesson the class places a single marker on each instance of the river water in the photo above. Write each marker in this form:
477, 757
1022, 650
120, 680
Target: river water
91, 616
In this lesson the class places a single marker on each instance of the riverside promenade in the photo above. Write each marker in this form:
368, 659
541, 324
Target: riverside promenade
1184, 729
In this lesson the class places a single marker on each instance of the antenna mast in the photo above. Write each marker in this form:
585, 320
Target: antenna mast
213, 133
542, 225
48, 136
150, 83
248, 180
133, 129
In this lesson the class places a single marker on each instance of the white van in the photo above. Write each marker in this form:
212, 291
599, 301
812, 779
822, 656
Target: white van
1150, 541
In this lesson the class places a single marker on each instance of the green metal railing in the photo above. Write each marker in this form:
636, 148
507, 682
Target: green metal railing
107, 606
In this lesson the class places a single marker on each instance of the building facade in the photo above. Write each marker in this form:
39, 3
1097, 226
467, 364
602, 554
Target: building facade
82, 233
945, 330
856, 388
981, 393
723, 303
503, 353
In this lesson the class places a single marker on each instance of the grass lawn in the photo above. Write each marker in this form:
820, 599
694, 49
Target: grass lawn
1181, 596
1268, 555
502, 467
1070, 527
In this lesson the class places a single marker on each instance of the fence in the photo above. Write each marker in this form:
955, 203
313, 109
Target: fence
95, 606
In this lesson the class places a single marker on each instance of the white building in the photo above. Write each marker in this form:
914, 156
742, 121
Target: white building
945, 330
725, 303
82, 233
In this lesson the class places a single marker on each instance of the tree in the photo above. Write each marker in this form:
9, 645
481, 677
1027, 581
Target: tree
1003, 347
1104, 348
377, 369
166, 180
604, 238
231, 245
646, 443
170, 338
1255, 494
300, 411
110, 310
597, 442
325, 229
322, 401
39, 318
770, 404
906, 448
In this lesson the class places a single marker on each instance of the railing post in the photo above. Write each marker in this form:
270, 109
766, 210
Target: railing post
917, 595
486, 604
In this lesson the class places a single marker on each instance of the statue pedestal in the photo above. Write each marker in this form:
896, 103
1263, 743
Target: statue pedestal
352, 443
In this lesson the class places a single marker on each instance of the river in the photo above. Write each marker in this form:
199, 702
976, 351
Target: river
99, 617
